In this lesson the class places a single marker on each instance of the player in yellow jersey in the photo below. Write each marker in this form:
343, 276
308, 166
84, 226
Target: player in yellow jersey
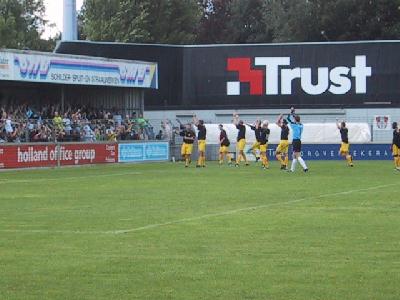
255, 148
283, 148
224, 146
396, 145
188, 139
241, 140
345, 146
263, 138
201, 139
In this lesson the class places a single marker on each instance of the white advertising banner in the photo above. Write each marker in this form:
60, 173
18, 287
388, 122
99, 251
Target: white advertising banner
382, 122
322, 133
67, 69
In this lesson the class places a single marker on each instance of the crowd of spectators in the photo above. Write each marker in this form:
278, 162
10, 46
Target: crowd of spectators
25, 123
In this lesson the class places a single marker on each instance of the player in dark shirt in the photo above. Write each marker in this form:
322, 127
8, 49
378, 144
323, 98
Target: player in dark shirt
201, 139
396, 145
263, 139
345, 146
282, 151
188, 139
256, 146
224, 146
241, 140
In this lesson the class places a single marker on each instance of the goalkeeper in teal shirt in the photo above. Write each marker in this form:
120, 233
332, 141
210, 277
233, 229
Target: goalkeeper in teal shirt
297, 129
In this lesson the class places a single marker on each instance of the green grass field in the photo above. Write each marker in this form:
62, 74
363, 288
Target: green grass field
159, 231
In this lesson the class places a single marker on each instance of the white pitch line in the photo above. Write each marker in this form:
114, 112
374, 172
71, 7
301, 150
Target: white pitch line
56, 231
235, 211
7, 181
206, 216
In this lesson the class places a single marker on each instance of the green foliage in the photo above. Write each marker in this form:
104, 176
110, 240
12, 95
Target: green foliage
22, 23
158, 21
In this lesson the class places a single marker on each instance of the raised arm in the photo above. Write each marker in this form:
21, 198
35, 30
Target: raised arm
235, 119
195, 120
279, 120
337, 123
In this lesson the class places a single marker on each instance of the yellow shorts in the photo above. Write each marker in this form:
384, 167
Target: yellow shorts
241, 144
256, 146
344, 147
396, 150
202, 145
283, 147
263, 148
186, 149
223, 149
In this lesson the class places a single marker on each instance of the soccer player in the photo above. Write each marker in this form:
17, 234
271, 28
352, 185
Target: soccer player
188, 139
297, 128
256, 146
283, 148
345, 147
396, 145
224, 146
241, 140
201, 139
263, 137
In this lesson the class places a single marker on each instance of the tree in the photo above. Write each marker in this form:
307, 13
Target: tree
333, 20
22, 23
247, 22
156, 21
213, 23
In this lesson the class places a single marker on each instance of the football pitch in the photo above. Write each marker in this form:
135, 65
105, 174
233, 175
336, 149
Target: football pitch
160, 231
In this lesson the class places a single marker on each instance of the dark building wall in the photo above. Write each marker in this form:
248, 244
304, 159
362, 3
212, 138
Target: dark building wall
195, 77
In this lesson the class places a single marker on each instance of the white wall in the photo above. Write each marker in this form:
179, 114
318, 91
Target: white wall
307, 115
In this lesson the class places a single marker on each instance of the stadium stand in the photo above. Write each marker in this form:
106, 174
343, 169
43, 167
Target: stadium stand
24, 123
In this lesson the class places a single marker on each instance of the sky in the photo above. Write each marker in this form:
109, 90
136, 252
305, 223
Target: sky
54, 13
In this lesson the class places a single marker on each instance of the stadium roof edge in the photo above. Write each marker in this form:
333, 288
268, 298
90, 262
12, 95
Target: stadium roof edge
228, 45
56, 54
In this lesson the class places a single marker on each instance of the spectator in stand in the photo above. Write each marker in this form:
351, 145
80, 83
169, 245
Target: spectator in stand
88, 134
111, 136
9, 128
159, 136
67, 124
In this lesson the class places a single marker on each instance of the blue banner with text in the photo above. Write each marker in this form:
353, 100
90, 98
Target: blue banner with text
331, 151
137, 152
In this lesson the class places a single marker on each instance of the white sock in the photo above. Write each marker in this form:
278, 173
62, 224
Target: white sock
294, 162
302, 163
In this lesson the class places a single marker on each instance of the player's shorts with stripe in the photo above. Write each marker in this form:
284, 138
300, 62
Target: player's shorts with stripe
395, 150
223, 149
202, 145
344, 147
296, 145
283, 147
256, 146
186, 149
241, 144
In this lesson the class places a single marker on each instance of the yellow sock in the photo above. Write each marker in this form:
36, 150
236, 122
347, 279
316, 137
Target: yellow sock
398, 162
204, 160
286, 160
349, 159
229, 157
266, 160
187, 161
244, 158
279, 158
